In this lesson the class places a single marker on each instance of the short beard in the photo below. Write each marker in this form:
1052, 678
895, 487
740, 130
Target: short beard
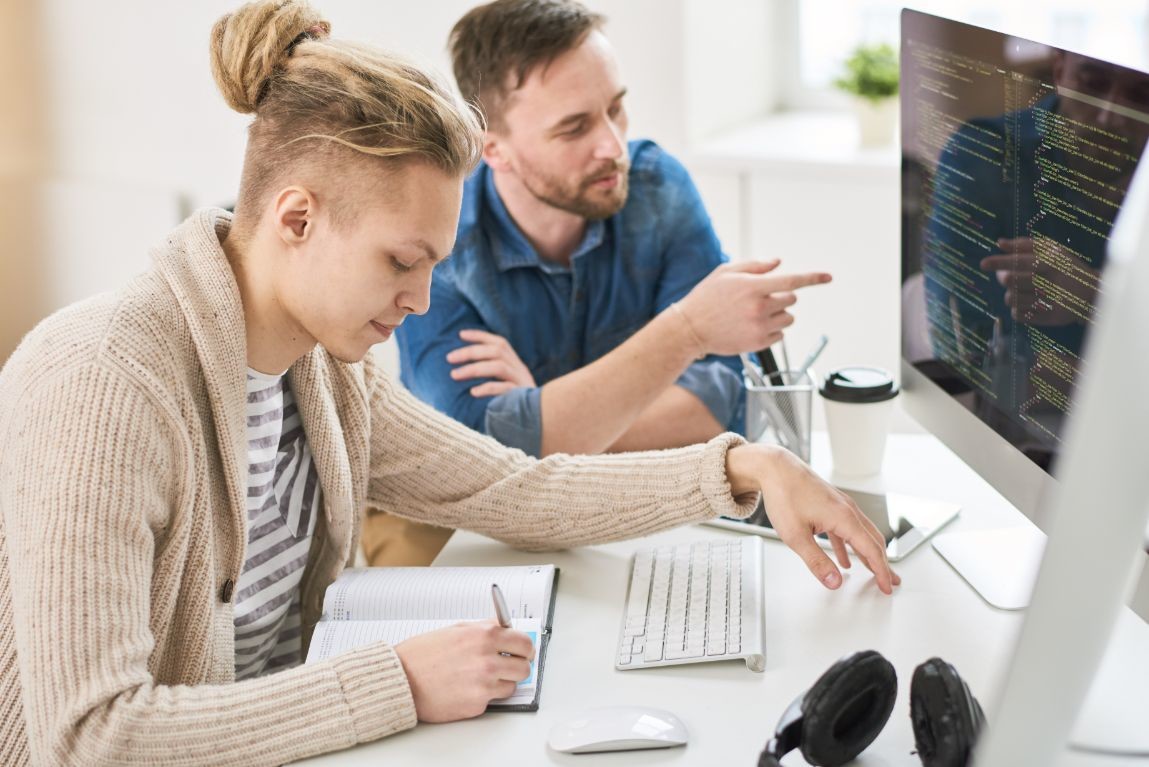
580, 203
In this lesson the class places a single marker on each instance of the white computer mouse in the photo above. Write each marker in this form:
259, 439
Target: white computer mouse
618, 728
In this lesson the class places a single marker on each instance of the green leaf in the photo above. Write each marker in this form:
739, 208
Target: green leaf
871, 72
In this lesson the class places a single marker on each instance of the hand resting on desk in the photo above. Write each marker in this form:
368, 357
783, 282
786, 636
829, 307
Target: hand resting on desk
455, 672
802, 505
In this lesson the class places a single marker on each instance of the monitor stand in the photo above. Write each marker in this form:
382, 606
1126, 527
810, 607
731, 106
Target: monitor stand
1000, 564
1112, 717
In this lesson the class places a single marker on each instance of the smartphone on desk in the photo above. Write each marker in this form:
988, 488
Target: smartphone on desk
905, 521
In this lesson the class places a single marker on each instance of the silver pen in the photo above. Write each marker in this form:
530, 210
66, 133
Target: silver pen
751, 371
811, 357
501, 612
787, 370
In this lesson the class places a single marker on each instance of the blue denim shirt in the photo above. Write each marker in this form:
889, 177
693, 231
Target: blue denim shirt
626, 270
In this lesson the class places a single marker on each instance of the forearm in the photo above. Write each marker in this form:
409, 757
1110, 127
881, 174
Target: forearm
677, 417
429, 467
588, 410
313, 709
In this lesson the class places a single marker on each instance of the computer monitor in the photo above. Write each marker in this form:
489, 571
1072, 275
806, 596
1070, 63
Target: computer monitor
1016, 158
1077, 637
1023, 323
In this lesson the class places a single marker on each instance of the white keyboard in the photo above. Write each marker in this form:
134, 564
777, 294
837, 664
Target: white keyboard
695, 602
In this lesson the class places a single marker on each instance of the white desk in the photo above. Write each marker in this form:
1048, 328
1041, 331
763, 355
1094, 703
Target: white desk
731, 711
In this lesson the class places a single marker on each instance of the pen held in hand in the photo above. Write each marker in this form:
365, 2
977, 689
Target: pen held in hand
502, 614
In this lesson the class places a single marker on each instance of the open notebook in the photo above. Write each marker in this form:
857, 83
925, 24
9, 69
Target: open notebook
390, 604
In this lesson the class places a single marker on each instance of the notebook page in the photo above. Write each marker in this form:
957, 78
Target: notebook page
424, 593
333, 638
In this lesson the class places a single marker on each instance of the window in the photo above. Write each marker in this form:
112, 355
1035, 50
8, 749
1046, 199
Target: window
1113, 29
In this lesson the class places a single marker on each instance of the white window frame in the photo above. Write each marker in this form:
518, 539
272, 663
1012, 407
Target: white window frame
794, 96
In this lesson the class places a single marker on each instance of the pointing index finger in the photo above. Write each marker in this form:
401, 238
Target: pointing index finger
783, 282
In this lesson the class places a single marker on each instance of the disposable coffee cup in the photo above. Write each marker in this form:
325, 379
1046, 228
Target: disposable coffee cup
858, 401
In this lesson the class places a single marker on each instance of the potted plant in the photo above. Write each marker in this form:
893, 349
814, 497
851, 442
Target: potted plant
871, 76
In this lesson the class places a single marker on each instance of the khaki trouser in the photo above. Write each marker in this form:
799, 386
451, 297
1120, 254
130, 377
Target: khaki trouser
390, 541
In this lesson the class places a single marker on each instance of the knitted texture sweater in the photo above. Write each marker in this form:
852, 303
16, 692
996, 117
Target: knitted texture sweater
122, 523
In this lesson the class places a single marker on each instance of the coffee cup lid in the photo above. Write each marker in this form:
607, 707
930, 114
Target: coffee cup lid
859, 384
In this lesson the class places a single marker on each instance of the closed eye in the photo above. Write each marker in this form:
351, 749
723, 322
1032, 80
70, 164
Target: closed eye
399, 266
575, 131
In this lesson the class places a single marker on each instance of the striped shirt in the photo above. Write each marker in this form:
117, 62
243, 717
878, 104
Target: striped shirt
282, 499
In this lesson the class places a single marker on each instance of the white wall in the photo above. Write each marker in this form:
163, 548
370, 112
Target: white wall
131, 95
728, 52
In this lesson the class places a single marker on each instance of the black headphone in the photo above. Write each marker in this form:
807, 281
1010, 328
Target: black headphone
842, 713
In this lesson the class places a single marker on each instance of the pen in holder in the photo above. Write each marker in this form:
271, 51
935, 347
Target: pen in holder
785, 409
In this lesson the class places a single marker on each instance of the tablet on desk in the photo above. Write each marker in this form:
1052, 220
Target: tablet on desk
905, 521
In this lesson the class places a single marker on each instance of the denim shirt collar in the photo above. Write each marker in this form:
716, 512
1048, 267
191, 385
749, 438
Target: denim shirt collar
510, 247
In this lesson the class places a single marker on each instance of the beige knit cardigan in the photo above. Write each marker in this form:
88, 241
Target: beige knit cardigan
122, 484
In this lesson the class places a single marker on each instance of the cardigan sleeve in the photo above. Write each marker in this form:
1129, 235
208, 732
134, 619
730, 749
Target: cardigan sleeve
90, 479
428, 467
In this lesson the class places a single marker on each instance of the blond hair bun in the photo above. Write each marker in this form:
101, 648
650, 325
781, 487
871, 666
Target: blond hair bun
249, 45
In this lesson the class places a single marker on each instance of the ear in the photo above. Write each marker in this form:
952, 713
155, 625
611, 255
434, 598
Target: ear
495, 152
294, 214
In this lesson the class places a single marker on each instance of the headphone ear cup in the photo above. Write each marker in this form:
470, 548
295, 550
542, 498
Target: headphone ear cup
847, 707
946, 717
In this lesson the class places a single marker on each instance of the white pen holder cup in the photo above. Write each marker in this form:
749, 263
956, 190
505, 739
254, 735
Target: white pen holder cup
781, 413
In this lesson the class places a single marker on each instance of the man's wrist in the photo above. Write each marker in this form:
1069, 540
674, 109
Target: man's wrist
699, 346
671, 334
